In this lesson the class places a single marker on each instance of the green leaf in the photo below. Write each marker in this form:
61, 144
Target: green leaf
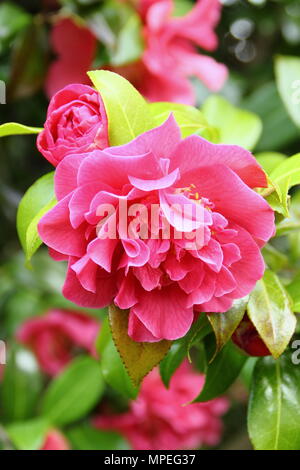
112, 367
12, 20
286, 175
129, 47
21, 386
222, 372
139, 358
293, 290
270, 160
74, 392
190, 120
270, 310
13, 128
236, 126
225, 324
127, 111
38, 200
275, 259
180, 349
278, 129
28, 435
274, 406
287, 71
84, 437
118, 27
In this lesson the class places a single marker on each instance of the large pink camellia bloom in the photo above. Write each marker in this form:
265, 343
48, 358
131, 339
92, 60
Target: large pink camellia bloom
157, 420
162, 280
76, 122
56, 335
171, 56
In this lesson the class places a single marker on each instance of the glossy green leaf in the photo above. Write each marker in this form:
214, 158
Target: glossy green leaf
226, 323
270, 310
180, 349
222, 372
235, 126
28, 435
73, 393
190, 120
139, 358
128, 113
274, 406
287, 71
85, 437
38, 200
21, 386
270, 160
112, 367
13, 128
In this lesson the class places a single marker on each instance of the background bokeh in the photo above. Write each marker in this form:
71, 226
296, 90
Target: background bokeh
251, 33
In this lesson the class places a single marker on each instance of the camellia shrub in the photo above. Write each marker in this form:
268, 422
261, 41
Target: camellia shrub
164, 216
166, 295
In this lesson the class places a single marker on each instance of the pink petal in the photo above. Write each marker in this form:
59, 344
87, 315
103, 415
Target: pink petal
164, 312
195, 152
55, 230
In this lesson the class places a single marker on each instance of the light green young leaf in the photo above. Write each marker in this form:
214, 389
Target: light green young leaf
235, 126
190, 120
270, 160
28, 435
128, 113
274, 405
13, 128
37, 200
287, 71
270, 310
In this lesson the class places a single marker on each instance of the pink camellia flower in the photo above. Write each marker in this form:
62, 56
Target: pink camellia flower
55, 440
171, 47
76, 123
199, 190
55, 336
158, 419
75, 47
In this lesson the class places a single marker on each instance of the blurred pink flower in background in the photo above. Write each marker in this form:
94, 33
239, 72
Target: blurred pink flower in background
161, 419
169, 59
171, 56
55, 440
76, 123
55, 337
75, 47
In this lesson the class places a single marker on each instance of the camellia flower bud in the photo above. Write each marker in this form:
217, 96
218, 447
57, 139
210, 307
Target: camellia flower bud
76, 123
246, 337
